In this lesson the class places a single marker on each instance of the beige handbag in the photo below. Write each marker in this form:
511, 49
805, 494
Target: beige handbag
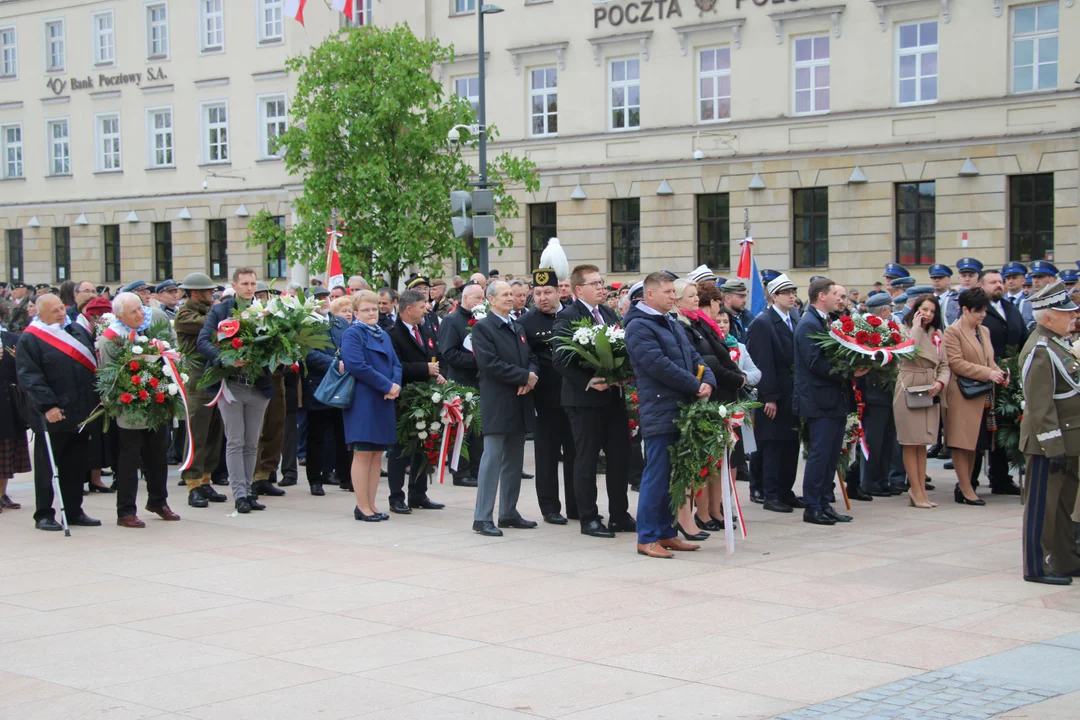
918, 397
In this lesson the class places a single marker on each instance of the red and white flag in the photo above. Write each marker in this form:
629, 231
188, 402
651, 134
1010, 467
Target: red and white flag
334, 275
295, 10
345, 6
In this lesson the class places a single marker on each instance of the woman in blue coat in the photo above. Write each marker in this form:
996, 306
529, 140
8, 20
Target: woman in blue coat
370, 425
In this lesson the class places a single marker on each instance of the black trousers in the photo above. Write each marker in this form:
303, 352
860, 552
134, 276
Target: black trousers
395, 470
757, 471
779, 465
146, 449
327, 423
880, 428
595, 429
554, 436
636, 460
71, 452
288, 448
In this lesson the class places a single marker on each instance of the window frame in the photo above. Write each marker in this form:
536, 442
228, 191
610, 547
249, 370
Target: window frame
111, 267
50, 146
148, 9
628, 224
715, 76
264, 121
918, 52
625, 85
15, 269
152, 133
5, 145
1036, 37
58, 234
546, 93
217, 248
156, 245
47, 25
280, 259
920, 238
261, 8
205, 128
468, 98
537, 229
812, 65
722, 221
460, 7
11, 51
363, 14
100, 153
204, 17
1033, 206
814, 215
96, 36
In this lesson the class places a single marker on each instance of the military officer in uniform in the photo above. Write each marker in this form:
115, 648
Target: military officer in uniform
969, 269
1013, 273
553, 434
1050, 440
1043, 273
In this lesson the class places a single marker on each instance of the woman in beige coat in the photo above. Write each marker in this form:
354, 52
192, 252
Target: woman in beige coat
918, 427
970, 354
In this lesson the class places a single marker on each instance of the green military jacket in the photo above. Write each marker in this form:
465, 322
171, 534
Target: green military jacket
188, 322
1051, 382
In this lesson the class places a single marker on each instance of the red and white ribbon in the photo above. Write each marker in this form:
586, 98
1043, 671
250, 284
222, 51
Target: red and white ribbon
169, 358
905, 347
732, 507
937, 343
223, 393
452, 417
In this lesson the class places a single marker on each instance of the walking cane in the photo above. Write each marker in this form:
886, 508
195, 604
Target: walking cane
56, 484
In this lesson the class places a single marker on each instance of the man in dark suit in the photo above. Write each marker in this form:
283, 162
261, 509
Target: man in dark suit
553, 433
388, 307
455, 347
824, 399
507, 378
415, 346
770, 341
596, 411
1008, 333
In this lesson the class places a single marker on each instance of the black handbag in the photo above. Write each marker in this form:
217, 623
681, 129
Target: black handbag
972, 389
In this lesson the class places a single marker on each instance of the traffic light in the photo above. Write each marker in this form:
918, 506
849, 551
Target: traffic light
481, 223
460, 205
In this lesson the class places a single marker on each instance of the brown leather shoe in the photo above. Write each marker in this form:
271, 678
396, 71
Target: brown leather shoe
677, 544
653, 550
163, 512
130, 521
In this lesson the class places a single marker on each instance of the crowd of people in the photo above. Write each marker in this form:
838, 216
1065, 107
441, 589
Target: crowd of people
688, 337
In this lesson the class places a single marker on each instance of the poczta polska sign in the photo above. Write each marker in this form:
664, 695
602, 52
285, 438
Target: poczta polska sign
643, 11
103, 81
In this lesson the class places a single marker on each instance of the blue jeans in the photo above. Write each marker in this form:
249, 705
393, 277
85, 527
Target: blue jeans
654, 518
826, 437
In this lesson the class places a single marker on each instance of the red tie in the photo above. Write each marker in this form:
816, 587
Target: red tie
416, 334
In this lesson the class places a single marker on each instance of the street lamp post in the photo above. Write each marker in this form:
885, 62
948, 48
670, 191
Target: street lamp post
482, 10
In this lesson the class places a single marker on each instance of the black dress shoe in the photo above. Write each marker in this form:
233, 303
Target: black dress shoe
1002, 489
208, 492
692, 537
330, 479
426, 504
949, 465
517, 524
263, 487
243, 505
465, 481
108, 490
816, 517
555, 518
381, 516
930, 486
933, 451
623, 524
945, 454
196, 499
881, 492
795, 501
287, 482
223, 481
85, 520
382, 473
858, 494
829, 511
595, 528
776, 506
399, 507
317, 490
1051, 578
526, 476
358, 515
486, 527
757, 496
255, 504
182, 483
710, 525
48, 524
959, 499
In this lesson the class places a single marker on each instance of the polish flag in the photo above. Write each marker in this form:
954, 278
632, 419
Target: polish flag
748, 271
334, 276
345, 6
295, 10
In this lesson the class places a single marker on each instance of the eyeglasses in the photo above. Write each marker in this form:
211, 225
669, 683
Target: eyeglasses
595, 283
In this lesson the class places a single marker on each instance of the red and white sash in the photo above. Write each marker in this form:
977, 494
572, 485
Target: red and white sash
64, 342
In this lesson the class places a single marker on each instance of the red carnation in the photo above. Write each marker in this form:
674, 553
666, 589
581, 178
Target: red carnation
134, 365
154, 382
429, 444
875, 338
874, 320
126, 398
159, 398
893, 326
704, 472
847, 325
237, 343
895, 337
143, 394
861, 337
136, 380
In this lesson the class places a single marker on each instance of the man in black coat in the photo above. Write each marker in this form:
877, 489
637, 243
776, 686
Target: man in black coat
879, 424
596, 411
56, 368
507, 378
553, 434
771, 344
1008, 332
455, 347
415, 346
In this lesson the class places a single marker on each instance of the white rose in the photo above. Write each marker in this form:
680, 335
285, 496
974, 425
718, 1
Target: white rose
468, 419
436, 398
137, 349
173, 389
469, 397
434, 426
183, 377
143, 338
422, 435
166, 371
420, 425
722, 411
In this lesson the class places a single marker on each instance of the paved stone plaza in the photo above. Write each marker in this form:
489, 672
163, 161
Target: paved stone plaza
301, 612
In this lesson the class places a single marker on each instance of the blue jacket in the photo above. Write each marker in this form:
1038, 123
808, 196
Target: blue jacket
818, 393
206, 347
371, 360
665, 369
319, 361
772, 347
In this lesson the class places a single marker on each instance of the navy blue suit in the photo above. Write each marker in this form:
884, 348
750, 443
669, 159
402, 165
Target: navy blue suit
771, 344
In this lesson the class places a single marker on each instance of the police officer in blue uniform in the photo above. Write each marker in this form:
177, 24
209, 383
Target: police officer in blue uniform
1014, 273
969, 269
1043, 273
941, 281
894, 271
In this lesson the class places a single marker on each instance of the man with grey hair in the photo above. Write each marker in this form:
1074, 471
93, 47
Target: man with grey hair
519, 292
85, 291
357, 283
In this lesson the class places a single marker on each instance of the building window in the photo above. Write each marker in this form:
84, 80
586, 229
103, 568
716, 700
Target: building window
162, 251
218, 234
362, 14
468, 88
62, 253
54, 46
59, 147
108, 139
110, 240
714, 84
104, 38
714, 231
271, 22
212, 24
160, 134
812, 75
811, 221
915, 223
273, 121
464, 6
1035, 48
9, 53
626, 235
543, 219
545, 101
11, 136
625, 93
917, 63
215, 132
15, 255
277, 265
157, 31
1031, 217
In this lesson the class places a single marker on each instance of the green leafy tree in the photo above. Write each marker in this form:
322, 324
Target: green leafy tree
368, 138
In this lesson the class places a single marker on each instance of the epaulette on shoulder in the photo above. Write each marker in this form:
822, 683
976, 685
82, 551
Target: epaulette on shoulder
1042, 341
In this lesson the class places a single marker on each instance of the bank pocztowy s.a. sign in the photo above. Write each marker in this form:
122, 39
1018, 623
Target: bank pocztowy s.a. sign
644, 11
112, 80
